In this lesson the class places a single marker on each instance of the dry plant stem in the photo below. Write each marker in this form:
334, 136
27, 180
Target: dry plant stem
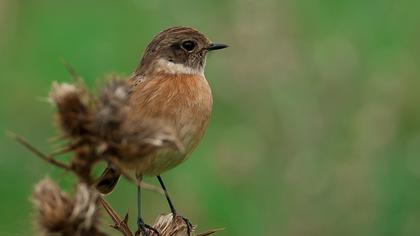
211, 232
71, 71
120, 225
57, 138
82, 163
38, 153
152, 188
142, 184
63, 150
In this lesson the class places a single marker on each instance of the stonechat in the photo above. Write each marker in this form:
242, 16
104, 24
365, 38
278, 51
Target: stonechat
168, 85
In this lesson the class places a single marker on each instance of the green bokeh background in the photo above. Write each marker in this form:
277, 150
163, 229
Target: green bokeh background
316, 122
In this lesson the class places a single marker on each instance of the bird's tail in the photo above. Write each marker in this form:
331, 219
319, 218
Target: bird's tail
107, 181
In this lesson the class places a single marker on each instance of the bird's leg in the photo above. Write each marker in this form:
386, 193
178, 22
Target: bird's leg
173, 210
142, 227
140, 223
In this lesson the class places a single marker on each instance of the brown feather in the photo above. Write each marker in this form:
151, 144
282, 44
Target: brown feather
182, 101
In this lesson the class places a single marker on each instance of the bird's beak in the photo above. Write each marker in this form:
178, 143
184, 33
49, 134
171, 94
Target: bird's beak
216, 46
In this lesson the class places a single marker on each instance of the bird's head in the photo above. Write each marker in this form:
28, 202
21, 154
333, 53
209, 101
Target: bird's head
177, 50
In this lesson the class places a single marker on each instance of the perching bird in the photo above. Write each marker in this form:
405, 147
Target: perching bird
168, 85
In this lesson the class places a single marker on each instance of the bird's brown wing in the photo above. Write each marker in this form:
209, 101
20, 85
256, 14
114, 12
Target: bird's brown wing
107, 181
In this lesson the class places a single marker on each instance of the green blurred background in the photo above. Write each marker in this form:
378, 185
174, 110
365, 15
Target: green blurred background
316, 123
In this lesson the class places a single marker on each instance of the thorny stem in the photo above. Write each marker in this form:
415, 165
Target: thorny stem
63, 150
142, 184
71, 71
120, 225
211, 232
37, 152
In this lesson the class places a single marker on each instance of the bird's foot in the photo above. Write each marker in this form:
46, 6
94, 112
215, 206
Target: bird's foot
144, 229
186, 221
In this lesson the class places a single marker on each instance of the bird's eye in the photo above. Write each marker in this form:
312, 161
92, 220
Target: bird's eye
188, 45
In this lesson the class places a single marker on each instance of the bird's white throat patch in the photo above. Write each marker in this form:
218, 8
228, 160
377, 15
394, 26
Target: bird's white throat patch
169, 67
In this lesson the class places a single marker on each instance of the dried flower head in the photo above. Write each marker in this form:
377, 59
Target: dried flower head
74, 108
112, 108
58, 214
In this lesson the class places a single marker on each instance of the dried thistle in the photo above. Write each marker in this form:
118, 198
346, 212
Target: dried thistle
112, 108
74, 108
58, 214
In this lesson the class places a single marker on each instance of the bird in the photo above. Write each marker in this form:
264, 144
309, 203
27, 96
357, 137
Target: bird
168, 85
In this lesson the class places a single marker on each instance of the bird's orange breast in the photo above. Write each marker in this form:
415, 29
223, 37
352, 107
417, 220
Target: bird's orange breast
182, 100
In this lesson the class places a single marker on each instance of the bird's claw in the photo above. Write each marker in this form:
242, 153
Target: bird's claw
187, 223
143, 229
